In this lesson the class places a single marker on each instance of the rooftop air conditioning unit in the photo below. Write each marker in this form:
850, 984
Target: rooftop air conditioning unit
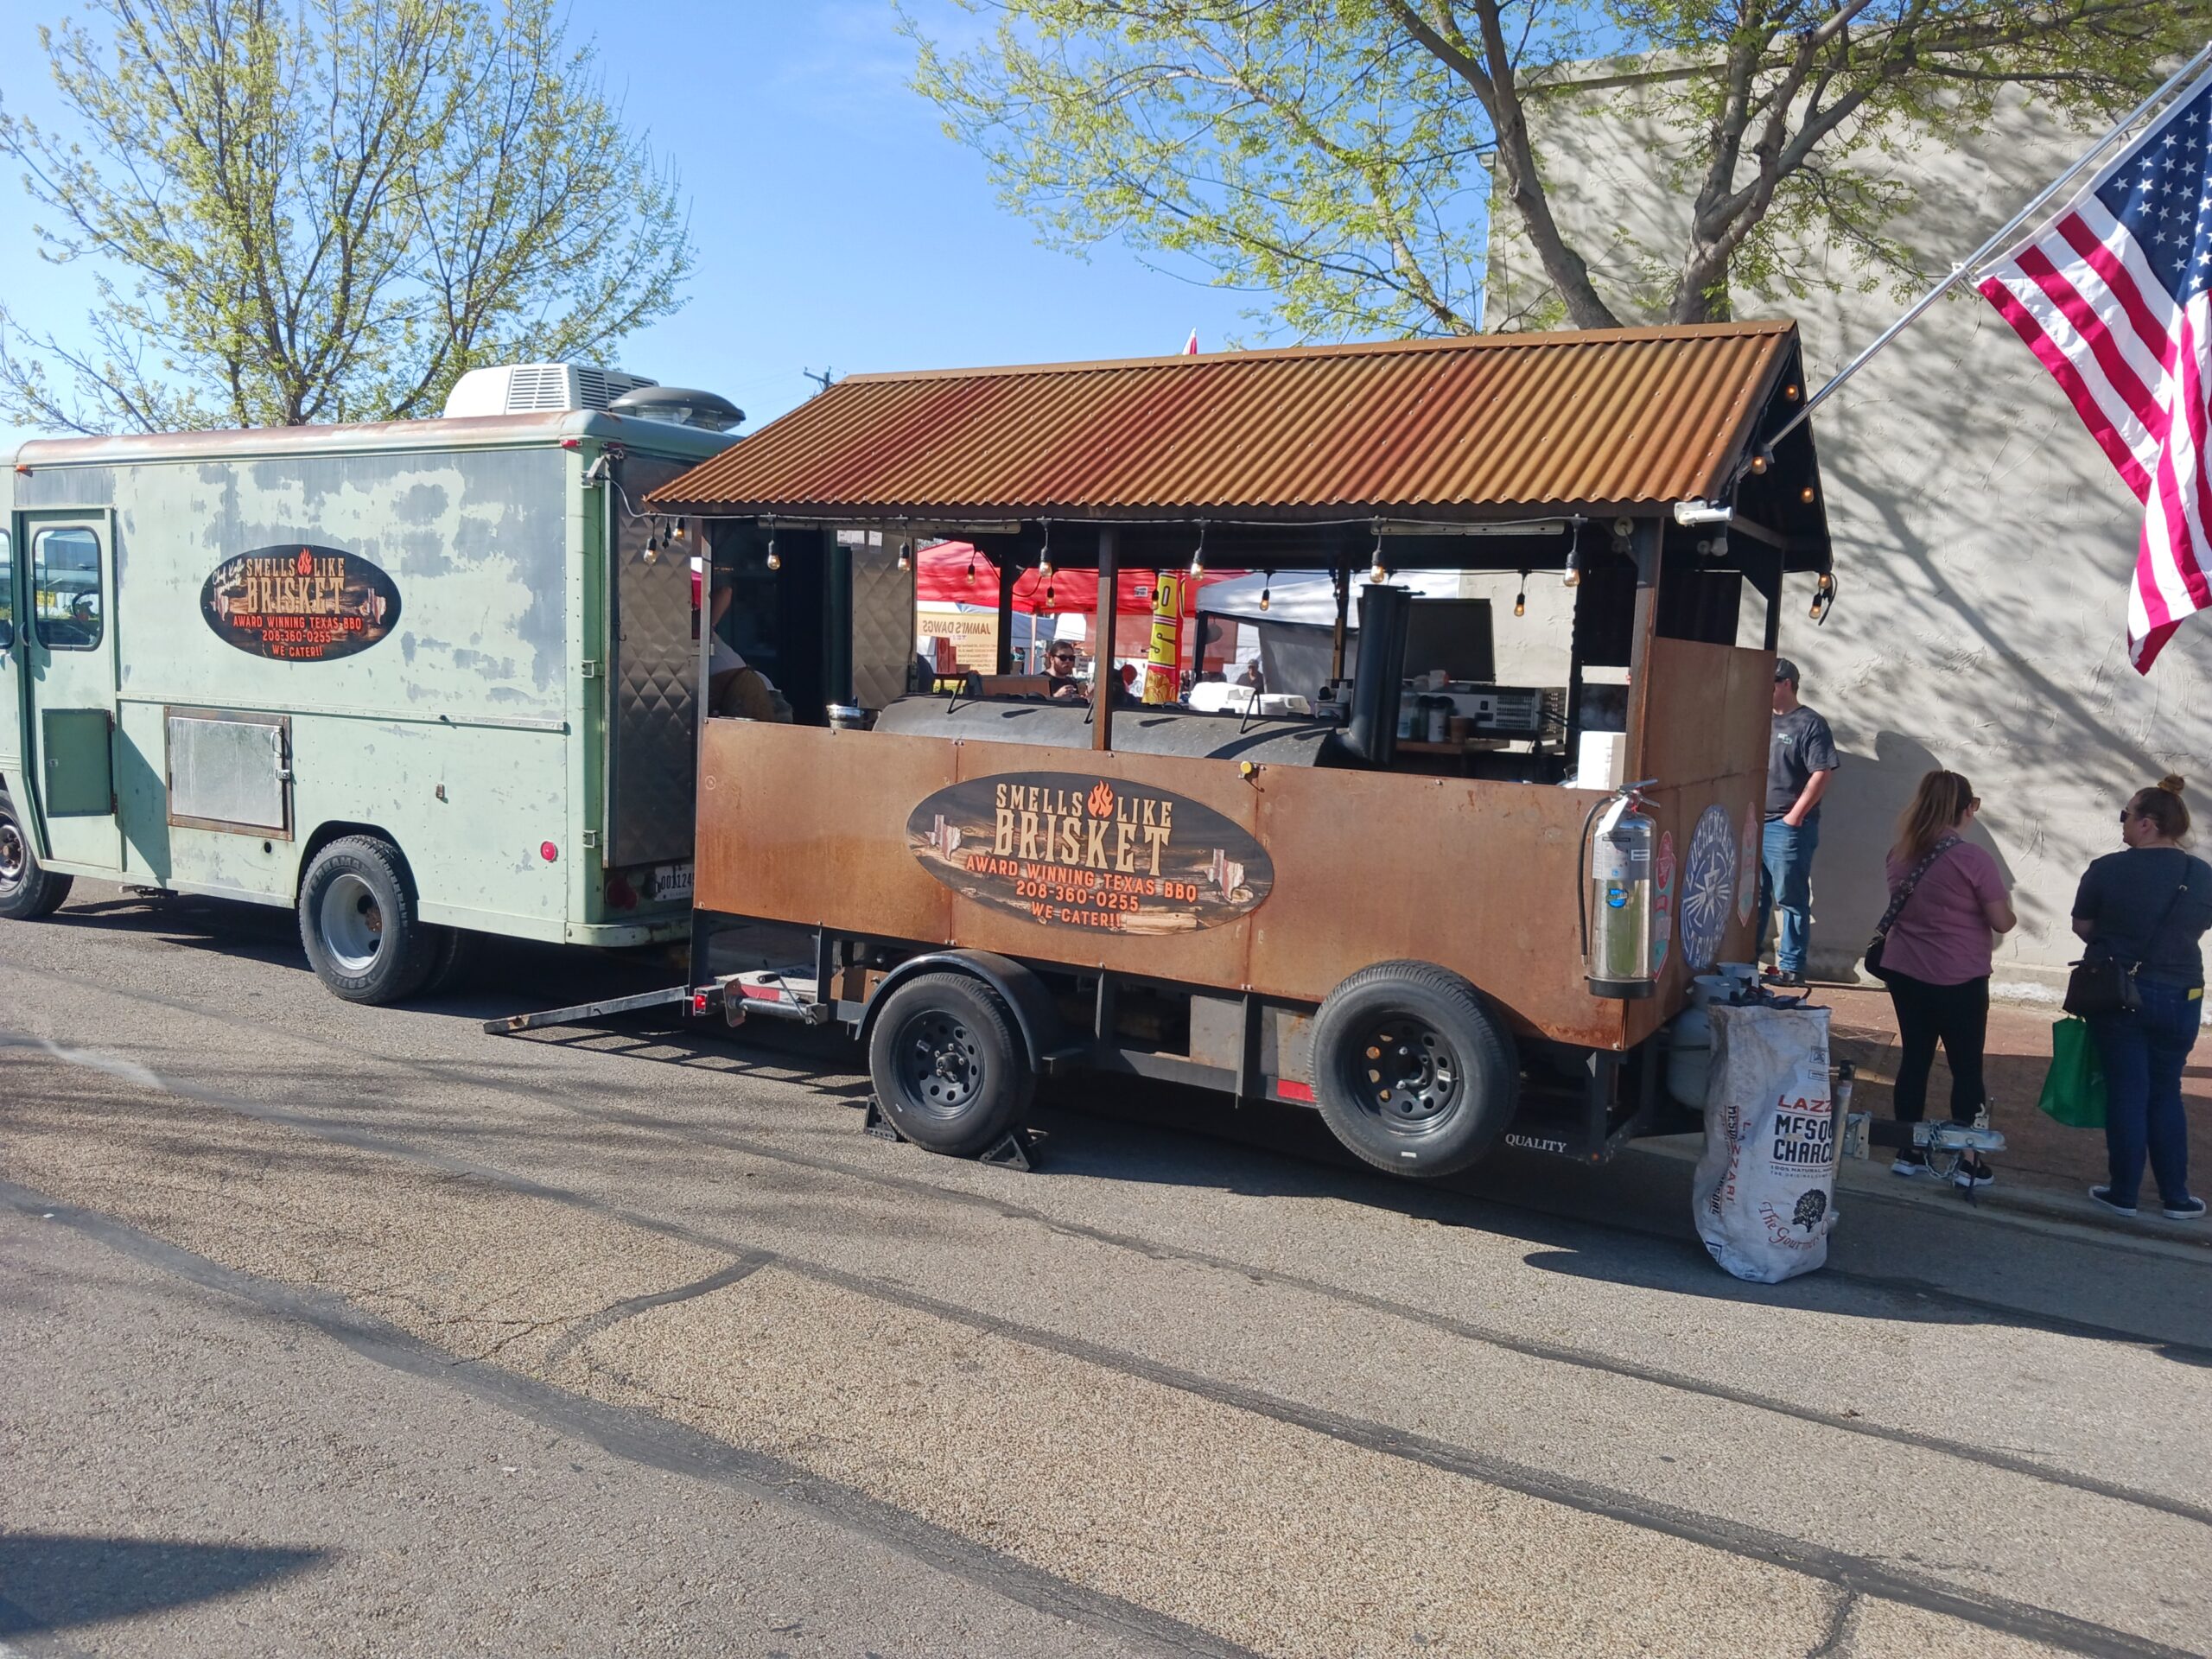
528, 388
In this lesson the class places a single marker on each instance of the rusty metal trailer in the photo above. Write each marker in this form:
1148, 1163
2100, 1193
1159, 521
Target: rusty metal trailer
990, 886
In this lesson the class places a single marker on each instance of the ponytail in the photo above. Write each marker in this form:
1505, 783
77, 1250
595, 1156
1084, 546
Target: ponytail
2162, 804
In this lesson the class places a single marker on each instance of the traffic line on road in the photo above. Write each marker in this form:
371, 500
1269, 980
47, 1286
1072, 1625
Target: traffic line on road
647, 1438
538, 1264
1498, 1337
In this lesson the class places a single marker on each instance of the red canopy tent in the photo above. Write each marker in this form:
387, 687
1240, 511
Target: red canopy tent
954, 573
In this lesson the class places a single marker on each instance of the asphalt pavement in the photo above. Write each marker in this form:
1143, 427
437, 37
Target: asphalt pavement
326, 1329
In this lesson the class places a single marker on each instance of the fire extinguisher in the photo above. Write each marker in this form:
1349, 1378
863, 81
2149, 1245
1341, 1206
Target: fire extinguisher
1619, 838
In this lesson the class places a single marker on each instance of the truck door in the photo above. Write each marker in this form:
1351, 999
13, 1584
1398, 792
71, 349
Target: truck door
68, 645
12, 707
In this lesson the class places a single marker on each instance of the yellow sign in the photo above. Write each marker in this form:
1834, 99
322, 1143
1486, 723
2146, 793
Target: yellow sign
1163, 671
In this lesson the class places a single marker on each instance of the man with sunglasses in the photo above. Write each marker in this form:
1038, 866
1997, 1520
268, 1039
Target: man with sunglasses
1059, 670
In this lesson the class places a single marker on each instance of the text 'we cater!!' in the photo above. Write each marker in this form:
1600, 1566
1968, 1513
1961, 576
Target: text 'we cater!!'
1065, 850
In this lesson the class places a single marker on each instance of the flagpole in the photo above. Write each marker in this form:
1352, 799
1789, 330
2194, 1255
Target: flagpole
1997, 239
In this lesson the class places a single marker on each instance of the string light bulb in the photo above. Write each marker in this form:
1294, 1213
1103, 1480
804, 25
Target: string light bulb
1760, 461
905, 555
775, 559
1265, 588
1521, 596
971, 567
1806, 495
1045, 558
1377, 570
1199, 553
1572, 576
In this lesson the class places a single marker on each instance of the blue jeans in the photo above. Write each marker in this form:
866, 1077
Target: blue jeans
1786, 880
2143, 1054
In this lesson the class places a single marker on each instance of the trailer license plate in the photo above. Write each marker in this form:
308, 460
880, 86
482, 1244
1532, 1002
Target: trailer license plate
672, 881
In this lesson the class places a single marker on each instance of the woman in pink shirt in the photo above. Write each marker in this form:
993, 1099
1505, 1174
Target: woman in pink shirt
1935, 957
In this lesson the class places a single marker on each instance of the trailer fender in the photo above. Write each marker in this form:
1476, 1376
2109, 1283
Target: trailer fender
1034, 1016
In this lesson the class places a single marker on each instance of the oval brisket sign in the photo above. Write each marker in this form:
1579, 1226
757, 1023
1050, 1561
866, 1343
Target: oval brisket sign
1071, 849
300, 603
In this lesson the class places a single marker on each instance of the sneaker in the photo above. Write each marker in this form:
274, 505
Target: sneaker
2103, 1195
1910, 1162
1973, 1172
2187, 1210
1785, 981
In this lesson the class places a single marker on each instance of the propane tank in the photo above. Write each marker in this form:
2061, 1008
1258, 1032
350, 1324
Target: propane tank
1618, 899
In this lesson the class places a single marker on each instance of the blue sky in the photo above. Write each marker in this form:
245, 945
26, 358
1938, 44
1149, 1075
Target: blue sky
835, 223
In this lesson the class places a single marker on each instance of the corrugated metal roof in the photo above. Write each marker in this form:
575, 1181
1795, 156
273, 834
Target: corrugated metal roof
1424, 427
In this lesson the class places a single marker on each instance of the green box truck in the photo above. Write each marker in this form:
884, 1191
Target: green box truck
419, 680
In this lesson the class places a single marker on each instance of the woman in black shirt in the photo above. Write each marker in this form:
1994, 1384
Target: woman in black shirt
2150, 905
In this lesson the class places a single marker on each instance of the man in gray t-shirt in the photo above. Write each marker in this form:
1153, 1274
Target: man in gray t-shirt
1801, 758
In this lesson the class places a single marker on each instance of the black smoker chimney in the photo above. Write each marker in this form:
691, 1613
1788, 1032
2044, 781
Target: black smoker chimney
1378, 680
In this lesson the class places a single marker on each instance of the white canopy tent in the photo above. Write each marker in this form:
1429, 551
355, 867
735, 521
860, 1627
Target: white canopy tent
1309, 597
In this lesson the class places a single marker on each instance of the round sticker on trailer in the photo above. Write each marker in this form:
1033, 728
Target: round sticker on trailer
1662, 900
296, 604
1709, 887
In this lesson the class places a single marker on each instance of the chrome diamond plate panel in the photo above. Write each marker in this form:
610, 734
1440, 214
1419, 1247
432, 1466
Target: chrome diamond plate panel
651, 755
883, 625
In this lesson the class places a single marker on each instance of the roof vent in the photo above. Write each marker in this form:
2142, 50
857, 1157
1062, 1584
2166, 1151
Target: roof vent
529, 388
680, 404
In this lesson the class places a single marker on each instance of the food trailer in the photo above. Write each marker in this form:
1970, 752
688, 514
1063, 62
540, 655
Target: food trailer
421, 680
1440, 934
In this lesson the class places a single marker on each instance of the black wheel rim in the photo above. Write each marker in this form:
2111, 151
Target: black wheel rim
1406, 1076
939, 1063
15, 856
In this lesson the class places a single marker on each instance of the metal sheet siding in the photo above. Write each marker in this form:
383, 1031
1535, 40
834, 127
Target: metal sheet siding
1617, 416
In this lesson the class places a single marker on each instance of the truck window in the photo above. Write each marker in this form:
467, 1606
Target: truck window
66, 587
7, 590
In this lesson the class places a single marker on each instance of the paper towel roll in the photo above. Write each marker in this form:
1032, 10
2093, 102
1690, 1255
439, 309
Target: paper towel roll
1601, 759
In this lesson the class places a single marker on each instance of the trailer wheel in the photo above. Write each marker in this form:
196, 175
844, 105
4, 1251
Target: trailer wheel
358, 922
27, 892
949, 1067
1413, 1072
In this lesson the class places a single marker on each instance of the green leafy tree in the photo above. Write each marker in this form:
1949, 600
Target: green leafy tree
1339, 157
328, 210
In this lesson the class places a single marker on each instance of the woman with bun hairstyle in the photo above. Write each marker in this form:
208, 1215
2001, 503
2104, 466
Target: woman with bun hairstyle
2149, 904
1936, 957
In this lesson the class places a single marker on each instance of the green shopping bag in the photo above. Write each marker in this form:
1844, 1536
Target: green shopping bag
2074, 1088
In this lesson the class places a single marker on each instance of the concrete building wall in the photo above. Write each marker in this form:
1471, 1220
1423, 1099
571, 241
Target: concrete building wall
1984, 545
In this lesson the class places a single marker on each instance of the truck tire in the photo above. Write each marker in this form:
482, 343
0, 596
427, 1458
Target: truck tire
1412, 1070
949, 1067
454, 962
27, 892
358, 922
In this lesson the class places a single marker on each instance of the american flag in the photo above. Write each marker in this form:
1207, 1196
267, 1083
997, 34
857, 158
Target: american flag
2111, 295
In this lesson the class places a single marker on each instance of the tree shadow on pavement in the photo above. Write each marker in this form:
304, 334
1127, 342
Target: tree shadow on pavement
53, 1580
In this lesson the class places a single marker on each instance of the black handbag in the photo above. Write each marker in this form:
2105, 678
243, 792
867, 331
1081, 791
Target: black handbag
2101, 982
1896, 903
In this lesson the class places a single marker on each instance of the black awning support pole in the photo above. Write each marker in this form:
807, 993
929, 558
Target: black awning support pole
1342, 573
1103, 679
1009, 573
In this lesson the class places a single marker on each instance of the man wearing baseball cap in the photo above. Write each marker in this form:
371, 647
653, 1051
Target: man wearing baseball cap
1801, 758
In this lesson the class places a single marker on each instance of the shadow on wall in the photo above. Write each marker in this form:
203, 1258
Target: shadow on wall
1858, 822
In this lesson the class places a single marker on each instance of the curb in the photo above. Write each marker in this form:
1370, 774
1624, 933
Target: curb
2030, 1208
